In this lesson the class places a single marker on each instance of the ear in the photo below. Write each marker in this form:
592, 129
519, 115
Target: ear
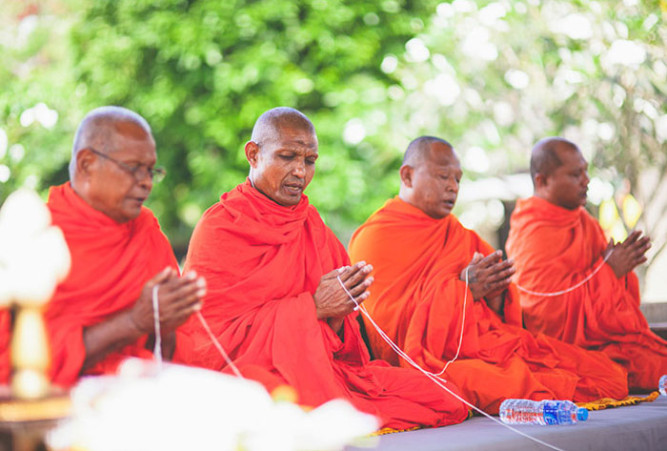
252, 153
84, 162
406, 175
540, 180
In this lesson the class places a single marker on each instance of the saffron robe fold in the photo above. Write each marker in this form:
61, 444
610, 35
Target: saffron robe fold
262, 263
111, 263
554, 249
419, 301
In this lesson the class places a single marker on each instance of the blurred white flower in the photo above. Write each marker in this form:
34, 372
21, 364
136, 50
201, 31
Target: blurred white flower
477, 44
33, 254
444, 88
476, 160
661, 128
626, 53
599, 190
518, 79
16, 152
416, 51
445, 10
182, 407
503, 113
574, 26
354, 131
5, 173
389, 64
491, 14
40, 113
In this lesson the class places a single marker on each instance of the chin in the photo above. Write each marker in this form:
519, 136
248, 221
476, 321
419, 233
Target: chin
286, 202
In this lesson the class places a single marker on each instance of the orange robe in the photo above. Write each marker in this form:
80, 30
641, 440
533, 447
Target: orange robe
262, 263
5, 341
418, 300
554, 249
111, 263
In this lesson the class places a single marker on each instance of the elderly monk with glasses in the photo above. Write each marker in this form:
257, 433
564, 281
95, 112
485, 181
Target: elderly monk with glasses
103, 312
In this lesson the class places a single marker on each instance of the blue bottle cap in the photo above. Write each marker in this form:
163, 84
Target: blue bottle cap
582, 414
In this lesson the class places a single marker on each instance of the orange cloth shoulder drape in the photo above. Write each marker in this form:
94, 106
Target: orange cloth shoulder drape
419, 301
262, 263
111, 262
554, 249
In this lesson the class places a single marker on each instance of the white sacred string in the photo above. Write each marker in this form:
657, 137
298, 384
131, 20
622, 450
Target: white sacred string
435, 377
218, 346
157, 350
572, 288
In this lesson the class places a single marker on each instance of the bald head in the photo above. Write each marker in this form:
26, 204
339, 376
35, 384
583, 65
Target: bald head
269, 125
430, 176
559, 172
282, 154
100, 128
545, 156
419, 150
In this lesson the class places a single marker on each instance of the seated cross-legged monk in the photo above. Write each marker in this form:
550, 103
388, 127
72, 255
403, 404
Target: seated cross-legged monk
557, 245
421, 253
103, 312
274, 300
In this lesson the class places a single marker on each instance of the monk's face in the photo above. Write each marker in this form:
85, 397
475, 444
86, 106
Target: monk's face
284, 164
112, 187
567, 185
435, 181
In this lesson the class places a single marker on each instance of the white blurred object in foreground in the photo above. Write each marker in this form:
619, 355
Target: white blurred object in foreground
181, 408
33, 254
33, 258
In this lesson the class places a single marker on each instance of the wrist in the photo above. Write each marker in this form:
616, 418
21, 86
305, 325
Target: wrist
134, 327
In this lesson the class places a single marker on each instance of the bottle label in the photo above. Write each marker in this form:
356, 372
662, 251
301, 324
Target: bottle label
551, 413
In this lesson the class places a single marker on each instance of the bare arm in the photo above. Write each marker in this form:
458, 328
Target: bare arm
178, 298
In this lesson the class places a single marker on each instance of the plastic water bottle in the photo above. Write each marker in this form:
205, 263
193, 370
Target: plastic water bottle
525, 411
662, 385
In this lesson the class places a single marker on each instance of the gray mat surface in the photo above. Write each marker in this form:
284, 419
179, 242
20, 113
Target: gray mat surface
641, 427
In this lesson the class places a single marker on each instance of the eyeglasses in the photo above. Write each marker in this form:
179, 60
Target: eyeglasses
139, 172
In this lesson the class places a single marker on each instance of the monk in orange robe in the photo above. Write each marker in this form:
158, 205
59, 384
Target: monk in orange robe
422, 257
557, 245
102, 312
277, 279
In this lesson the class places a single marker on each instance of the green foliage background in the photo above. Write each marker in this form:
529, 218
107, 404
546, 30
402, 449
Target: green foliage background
201, 72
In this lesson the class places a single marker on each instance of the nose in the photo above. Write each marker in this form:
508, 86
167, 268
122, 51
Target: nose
453, 186
299, 169
586, 179
144, 178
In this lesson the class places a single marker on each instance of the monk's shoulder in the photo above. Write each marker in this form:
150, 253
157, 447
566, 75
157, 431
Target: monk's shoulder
316, 223
147, 217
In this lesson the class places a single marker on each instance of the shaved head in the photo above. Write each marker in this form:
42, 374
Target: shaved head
419, 150
282, 153
559, 172
100, 128
545, 159
270, 123
430, 176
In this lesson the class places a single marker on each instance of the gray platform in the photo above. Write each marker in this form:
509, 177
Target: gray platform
641, 427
